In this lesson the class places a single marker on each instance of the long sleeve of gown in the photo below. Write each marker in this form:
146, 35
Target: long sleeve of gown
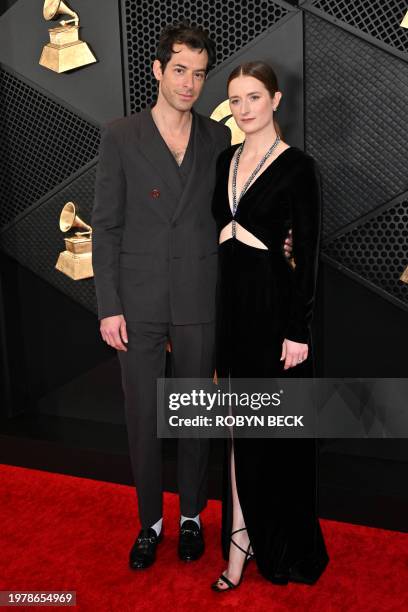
306, 208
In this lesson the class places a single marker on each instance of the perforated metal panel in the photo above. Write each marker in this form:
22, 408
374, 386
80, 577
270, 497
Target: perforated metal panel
41, 144
36, 241
377, 250
356, 97
231, 24
378, 18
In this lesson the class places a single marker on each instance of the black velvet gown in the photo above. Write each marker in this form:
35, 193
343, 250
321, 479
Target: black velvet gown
261, 300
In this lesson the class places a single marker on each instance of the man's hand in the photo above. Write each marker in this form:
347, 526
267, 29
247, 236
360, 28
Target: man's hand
293, 353
113, 332
288, 245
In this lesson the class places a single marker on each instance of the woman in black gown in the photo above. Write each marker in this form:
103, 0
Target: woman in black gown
264, 309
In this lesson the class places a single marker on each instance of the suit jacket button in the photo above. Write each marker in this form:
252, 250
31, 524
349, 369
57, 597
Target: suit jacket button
155, 193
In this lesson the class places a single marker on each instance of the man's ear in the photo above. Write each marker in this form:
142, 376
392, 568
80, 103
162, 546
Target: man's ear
157, 70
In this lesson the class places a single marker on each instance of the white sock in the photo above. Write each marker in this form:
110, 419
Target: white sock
196, 519
158, 526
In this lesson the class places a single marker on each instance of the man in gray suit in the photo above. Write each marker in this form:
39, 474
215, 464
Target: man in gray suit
154, 260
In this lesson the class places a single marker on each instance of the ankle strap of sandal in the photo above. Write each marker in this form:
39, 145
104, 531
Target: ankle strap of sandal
240, 548
238, 530
246, 552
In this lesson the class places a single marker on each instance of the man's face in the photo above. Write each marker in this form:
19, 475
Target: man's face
183, 78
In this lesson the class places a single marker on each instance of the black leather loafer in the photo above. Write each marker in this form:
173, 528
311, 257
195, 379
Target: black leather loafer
191, 541
143, 551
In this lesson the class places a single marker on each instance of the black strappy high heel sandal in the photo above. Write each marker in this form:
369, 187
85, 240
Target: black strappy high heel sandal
230, 585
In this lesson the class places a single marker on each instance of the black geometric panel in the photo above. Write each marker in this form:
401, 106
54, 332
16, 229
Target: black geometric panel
5, 5
356, 97
96, 90
41, 144
232, 25
35, 240
378, 18
376, 250
282, 46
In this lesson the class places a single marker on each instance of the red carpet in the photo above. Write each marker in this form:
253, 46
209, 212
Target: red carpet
65, 533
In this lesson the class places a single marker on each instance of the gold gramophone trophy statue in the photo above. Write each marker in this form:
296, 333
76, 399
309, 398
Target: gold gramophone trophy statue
76, 260
221, 112
64, 51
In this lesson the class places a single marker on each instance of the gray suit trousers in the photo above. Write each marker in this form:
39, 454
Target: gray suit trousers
141, 365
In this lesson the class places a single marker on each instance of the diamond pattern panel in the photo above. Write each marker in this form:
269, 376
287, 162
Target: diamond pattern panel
379, 18
356, 96
377, 250
36, 240
42, 143
232, 24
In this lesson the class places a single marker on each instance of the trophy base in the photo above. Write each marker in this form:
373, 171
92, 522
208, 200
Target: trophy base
61, 58
75, 266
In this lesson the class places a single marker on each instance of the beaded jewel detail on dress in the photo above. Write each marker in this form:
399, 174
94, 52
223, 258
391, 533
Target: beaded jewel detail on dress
253, 174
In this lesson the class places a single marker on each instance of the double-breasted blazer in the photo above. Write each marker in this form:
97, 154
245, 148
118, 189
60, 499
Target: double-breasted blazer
154, 244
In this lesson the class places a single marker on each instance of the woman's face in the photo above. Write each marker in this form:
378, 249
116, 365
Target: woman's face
251, 104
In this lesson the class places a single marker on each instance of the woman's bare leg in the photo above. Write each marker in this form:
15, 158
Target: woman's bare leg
236, 556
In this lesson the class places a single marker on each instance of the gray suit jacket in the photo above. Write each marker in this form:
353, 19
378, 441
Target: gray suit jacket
154, 252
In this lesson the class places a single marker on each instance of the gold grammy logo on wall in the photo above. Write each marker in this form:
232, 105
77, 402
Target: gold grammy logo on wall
76, 260
64, 51
222, 113
404, 276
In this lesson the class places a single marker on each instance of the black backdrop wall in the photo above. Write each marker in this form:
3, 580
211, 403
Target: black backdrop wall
343, 68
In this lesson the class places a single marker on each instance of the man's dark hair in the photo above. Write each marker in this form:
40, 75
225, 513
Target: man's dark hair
184, 33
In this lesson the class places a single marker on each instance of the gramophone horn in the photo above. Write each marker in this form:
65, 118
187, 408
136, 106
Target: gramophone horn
52, 8
70, 219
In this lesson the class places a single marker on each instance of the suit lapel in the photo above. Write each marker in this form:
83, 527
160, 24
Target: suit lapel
203, 149
155, 150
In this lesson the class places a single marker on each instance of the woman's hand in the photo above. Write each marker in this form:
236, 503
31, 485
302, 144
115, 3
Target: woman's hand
293, 353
